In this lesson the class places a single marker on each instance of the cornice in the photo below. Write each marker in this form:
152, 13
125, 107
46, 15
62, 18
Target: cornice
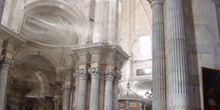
7, 33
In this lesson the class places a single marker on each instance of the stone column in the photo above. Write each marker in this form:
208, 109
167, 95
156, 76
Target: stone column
2, 4
66, 98
94, 94
108, 89
112, 18
76, 90
115, 91
81, 103
177, 73
100, 21
158, 53
5, 65
218, 16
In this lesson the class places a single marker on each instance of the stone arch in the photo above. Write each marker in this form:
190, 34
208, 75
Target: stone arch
44, 87
21, 55
146, 82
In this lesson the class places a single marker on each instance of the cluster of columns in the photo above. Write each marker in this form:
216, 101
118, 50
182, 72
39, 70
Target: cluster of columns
170, 82
95, 74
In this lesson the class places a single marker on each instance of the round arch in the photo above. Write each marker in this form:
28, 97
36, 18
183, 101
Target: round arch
22, 54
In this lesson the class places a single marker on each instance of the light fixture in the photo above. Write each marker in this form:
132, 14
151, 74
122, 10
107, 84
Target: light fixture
147, 94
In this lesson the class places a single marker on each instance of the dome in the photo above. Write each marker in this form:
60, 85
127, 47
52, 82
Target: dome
128, 94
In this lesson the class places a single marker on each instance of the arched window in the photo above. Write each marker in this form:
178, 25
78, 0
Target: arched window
145, 44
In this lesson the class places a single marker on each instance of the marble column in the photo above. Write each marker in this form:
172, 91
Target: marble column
177, 73
94, 94
5, 65
66, 98
108, 89
81, 103
115, 91
2, 4
158, 53
76, 90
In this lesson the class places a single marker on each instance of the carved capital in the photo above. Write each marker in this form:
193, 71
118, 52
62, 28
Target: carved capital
82, 74
95, 73
117, 78
6, 63
76, 76
109, 74
67, 88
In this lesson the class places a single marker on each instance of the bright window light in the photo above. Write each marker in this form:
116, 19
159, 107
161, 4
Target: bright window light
145, 44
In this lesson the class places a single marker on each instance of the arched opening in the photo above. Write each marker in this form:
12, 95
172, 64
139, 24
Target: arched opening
32, 82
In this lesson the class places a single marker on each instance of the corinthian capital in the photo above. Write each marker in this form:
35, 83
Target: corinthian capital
95, 72
117, 78
82, 74
6, 63
110, 73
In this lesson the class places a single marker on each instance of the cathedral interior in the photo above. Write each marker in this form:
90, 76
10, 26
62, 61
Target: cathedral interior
110, 55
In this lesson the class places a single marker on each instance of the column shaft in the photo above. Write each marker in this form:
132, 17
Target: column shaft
177, 73
100, 21
218, 17
2, 4
94, 94
112, 18
76, 91
115, 92
66, 98
5, 64
81, 103
159, 70
108, 90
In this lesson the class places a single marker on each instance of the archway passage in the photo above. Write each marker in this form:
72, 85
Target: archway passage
32, 81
